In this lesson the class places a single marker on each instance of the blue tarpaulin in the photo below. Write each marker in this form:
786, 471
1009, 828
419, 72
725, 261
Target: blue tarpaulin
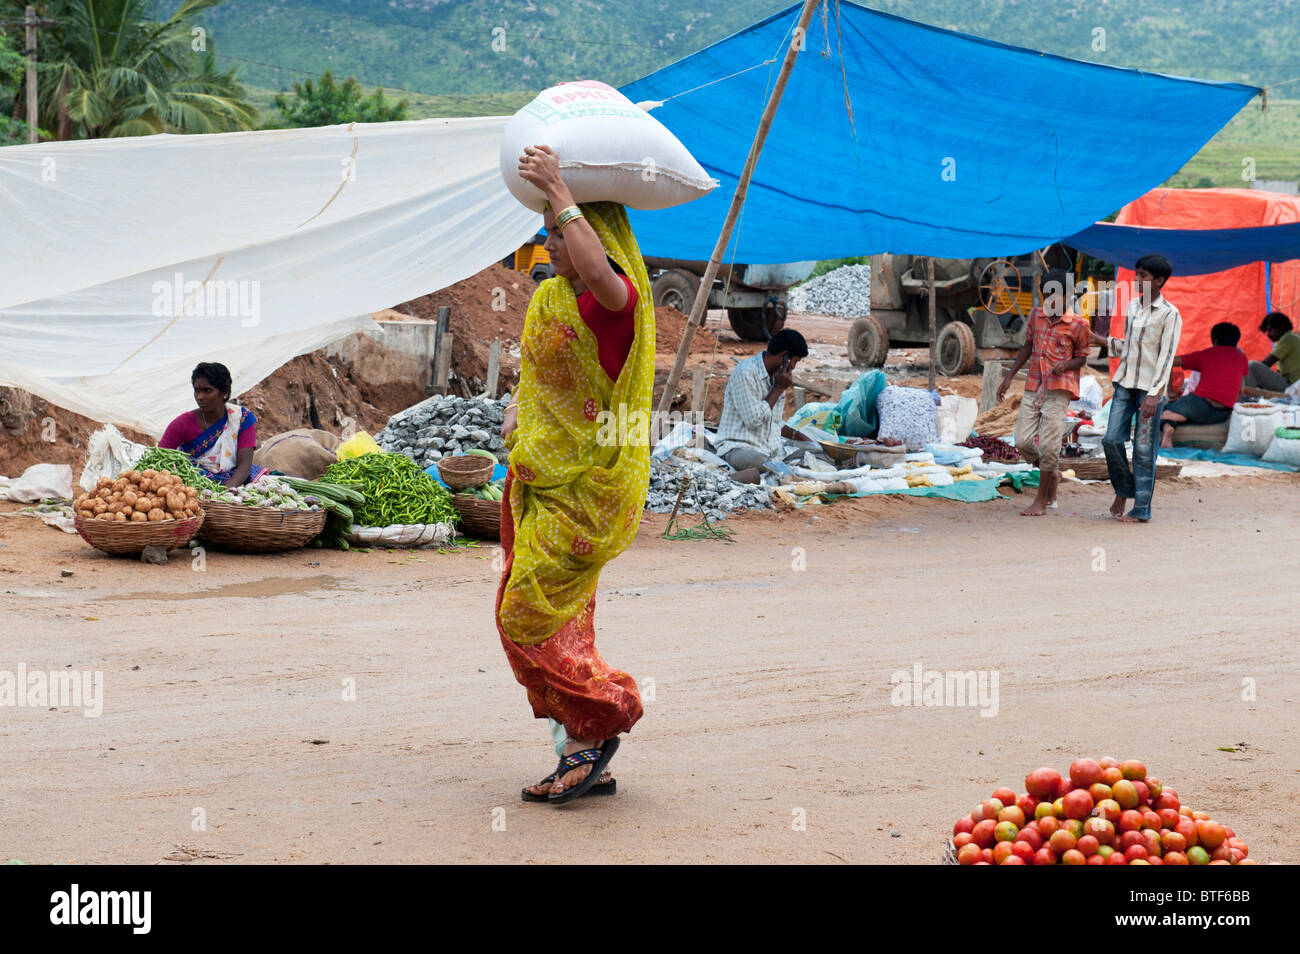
894, 136
1190, 251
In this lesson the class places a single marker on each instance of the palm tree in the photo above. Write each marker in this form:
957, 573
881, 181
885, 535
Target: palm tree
111, 68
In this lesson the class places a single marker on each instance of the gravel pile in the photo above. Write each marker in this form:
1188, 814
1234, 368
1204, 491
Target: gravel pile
445, 425
845, 292
712, 493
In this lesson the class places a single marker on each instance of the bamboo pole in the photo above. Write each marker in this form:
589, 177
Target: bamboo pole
929, 293
742, 187
33, 110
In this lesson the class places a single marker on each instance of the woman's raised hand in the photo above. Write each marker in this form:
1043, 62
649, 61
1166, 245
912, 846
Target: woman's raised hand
541, 166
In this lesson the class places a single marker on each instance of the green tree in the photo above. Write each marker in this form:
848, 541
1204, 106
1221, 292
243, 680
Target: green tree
118, 70
329, 103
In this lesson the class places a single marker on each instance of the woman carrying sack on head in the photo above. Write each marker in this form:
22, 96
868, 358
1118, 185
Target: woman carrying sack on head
574, 495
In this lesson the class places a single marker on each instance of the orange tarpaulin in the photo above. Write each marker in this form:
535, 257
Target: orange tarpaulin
1236, 295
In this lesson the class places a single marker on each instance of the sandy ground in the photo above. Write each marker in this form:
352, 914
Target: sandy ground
223, 687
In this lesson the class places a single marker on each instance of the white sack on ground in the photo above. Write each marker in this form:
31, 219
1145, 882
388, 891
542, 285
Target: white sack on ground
125, 262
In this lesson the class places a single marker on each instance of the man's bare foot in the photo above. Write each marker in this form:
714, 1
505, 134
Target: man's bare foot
1035, 509
1117, 508
1129, 518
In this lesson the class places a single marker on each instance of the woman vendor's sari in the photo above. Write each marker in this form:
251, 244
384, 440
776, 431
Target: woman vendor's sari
574, 495
216, 450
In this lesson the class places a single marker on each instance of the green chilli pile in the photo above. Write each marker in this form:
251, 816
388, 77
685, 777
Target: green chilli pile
395, 488
178, 463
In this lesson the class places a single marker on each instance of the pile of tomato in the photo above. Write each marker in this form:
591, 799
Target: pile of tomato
1105, 812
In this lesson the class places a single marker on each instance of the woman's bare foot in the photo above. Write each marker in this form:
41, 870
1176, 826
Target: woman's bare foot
1117, 508
574, 776
1035, 509
1129, 518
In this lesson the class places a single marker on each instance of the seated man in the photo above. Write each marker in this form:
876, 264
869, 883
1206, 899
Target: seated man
1222, 368
751, 428
1285, 355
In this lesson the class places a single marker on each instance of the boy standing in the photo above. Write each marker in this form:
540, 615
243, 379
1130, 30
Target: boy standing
1056, 347
1151, 329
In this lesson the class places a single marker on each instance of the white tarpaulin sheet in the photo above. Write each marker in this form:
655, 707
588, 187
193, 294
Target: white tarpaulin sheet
125, 262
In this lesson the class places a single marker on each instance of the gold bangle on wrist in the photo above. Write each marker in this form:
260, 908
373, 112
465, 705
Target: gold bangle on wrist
567, 215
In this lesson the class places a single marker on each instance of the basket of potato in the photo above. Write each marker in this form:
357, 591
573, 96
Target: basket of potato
138, 509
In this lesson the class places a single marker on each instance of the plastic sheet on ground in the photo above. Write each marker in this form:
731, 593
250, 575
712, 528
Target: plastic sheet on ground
1225, 461
967, 491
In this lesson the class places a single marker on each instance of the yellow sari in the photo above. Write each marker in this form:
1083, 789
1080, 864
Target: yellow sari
578, 496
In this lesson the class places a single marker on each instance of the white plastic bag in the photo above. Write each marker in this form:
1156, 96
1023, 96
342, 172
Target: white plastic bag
108, 455
1283, 450
1251, 427
402, 535
955, 418
40, 482
610, 150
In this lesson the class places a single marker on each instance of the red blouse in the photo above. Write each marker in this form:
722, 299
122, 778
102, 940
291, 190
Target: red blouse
614, 330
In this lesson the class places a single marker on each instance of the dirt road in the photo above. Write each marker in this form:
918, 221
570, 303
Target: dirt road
225, 736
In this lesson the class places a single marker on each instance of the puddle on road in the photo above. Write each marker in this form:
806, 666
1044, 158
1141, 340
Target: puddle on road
272, 586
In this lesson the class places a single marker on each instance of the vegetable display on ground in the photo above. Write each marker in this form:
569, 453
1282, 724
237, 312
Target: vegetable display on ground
396, 490
139, 497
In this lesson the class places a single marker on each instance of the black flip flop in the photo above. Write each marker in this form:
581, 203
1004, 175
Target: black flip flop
600, 788
597, 758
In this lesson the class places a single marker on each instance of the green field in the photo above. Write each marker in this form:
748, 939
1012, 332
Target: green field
1271, 139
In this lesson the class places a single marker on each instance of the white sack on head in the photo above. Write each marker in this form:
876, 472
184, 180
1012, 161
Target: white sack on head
610, 150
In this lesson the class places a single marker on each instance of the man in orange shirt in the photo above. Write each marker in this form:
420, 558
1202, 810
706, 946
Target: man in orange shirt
1056, 347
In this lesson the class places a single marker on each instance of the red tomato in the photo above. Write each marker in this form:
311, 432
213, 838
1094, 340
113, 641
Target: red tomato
1042, 783
1030, 836
1047, 825
1175, 858
1061, 842
1024, 851
1155, 860
1005, 795
1237, 855
1144, 793
1211, 834
961, 839
988, 808
1101, 829
1108, 809
982, 834
1222, 853
1074, 857
1154, 786
1164, 800
1014, 860
1005, 831
1012, 814
1099, 791
1151, 839
969, 854
1074, 826
986, 855
1187, 828
1168, 817
1234, 842
1151, 820
1117, 858
1078, 803
1130, 820
1044, 856
1111, 775
1108, 761
1126, 794
1128, 839
1088, 844
965, 823
1172, 841
1096, 859
1084, 772
1220, 862
1027, 803
1133, 769
1134, 852
1001, 852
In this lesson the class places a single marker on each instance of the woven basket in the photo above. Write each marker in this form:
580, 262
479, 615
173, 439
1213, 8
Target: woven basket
877, 455
259, 529
113, 537
478, 518
466, 470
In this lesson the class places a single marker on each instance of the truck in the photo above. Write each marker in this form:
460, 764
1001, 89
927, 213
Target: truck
754, 296
982, 307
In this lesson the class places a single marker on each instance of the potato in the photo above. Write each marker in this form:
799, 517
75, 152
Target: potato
130, 497
139, 517
120, 517
155, 515
142, 505
103, 482
103, 516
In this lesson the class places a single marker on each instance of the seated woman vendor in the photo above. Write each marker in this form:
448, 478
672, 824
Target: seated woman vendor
219, 437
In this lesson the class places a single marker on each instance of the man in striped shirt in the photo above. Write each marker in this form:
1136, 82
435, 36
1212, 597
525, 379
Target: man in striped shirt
1151, 329
753, 407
